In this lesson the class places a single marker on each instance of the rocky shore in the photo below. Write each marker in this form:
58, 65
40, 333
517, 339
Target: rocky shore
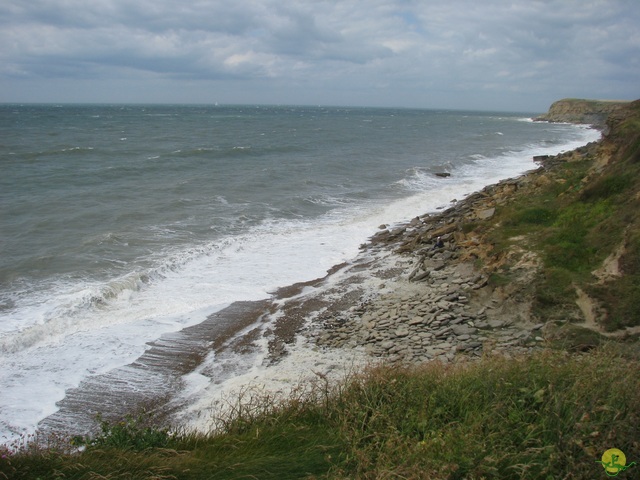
432, 289
433, 302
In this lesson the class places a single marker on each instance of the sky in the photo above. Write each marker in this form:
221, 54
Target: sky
518, 55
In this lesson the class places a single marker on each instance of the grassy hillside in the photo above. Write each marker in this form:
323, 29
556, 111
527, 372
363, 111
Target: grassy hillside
551, 415
581, 217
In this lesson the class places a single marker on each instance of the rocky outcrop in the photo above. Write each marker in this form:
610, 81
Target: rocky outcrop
409, 298
430, 315
591, 112
437, 304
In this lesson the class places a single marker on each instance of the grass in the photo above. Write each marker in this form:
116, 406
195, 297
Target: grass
574, 222
548, 416
622, 294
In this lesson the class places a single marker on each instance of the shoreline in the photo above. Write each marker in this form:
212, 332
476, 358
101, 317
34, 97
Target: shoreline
398, 301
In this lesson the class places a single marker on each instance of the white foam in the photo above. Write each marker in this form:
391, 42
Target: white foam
207, 400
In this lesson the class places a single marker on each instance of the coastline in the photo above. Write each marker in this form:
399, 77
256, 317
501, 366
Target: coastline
398, 301
332, 376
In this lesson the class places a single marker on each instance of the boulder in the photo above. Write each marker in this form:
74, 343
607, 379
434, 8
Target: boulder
486, 214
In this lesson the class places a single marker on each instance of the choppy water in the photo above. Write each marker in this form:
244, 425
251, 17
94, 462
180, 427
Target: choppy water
121, 223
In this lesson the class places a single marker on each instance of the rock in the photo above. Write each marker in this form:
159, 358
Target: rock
387, 345
433, 351
402, 332
498, 323
421, 277
443, 332
486, 213
443, 174
436, 266
463, 330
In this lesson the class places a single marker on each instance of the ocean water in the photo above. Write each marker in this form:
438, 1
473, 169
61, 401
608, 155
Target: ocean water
119, 224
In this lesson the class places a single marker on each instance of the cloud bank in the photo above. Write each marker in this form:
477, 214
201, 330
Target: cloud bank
494, 54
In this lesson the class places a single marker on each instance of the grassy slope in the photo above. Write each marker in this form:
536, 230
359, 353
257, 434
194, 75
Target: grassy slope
549, 416
581, 214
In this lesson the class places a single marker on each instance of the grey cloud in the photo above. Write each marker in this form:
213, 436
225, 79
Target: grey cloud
372, 47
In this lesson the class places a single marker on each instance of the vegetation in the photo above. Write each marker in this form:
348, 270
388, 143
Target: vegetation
585, 213
549, 416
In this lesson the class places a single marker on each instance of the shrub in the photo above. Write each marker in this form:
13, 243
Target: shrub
132, 433
535, 216
606, 187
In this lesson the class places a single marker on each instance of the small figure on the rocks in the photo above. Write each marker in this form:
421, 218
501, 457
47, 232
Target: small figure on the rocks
439, 244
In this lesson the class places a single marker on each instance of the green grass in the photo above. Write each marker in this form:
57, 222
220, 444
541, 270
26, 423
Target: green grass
572, 242
548, 416
574, 222
606, 187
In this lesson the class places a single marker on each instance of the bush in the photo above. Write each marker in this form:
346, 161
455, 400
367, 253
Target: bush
132, 433
606, 187
535, 216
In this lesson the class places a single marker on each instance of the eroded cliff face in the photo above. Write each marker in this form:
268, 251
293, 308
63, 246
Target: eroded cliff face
571, 110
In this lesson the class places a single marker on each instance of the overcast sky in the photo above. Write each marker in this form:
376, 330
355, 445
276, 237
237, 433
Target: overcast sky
518, 55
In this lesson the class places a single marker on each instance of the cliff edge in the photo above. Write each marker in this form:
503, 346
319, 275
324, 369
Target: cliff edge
573, 110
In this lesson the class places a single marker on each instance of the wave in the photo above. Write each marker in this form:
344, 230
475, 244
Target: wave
325, 200
61, 309
236, 151
420, 179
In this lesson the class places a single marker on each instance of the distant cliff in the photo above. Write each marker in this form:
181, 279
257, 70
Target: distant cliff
573, 110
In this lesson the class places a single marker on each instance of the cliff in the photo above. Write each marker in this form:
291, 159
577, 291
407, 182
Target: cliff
572, 110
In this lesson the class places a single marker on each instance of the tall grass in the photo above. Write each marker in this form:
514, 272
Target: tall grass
548, 416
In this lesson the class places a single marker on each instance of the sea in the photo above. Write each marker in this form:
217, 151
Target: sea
123, 223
